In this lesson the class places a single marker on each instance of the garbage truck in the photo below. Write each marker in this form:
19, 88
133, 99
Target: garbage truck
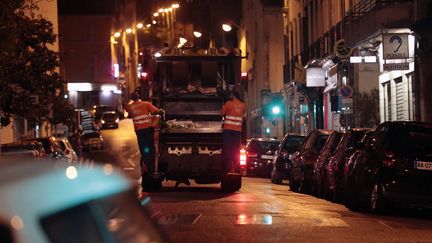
191, 85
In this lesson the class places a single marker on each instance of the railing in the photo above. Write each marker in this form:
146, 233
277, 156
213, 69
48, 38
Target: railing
364, 7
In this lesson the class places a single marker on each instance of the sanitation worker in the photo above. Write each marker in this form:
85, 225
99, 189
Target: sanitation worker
233, 112
141, 113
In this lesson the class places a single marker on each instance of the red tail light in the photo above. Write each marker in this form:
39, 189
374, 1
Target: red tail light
242, 157
251, 155
389, 159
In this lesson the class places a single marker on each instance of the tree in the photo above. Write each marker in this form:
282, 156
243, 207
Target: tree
367, 108
28, 68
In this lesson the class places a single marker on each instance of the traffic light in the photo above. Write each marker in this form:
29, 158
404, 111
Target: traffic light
267, 130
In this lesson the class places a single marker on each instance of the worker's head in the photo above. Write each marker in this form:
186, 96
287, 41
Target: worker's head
134, 96
236, 95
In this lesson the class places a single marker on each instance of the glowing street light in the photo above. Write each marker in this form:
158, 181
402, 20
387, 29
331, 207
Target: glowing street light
182, 40
140, 25
128, 30
161, 10
156, 14
175, 5
157, 54
226, 27
148, 25
117, 34
154, 21
197, 34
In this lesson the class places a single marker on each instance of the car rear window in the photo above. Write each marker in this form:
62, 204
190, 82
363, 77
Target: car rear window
109, 115
259, 146
316, 142
415, 141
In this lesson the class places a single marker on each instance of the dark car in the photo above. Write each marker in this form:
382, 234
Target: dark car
51, 146
332, 178
304, 159
394, 168
92, 140
318, 186
30, 149
98, 110
259, 156
281, 166
109, 119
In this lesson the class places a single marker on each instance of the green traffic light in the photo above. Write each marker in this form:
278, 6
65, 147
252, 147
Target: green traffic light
275, 110
267, 130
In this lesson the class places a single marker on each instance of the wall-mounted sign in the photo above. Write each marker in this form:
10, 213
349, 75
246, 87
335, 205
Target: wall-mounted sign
395, 46
395, 66
315, 77
341, 51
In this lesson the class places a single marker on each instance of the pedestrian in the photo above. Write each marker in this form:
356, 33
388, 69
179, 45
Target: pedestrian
141, 112
233, 112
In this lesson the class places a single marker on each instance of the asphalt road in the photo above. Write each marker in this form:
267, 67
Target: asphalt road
260, 211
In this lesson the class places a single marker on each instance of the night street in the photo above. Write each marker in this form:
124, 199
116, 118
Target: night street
260, 211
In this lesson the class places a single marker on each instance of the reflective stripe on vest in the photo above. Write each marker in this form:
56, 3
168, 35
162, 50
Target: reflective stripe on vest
140, 117
235, 118
232, 123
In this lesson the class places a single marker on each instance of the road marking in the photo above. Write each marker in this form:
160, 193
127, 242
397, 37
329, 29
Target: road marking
384, 224
130, 159
329, 222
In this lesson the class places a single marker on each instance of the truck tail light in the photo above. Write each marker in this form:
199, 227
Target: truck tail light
242, 157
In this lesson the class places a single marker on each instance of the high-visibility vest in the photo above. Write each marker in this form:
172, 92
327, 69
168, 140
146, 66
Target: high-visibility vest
141, 114
233, 111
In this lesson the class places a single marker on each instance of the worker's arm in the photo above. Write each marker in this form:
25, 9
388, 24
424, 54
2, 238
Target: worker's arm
153, 110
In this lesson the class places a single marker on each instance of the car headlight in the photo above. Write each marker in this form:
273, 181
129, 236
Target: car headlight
117, 120
102, 121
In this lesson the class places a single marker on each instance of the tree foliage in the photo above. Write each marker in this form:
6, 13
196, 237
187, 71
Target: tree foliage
367, 108
28, 67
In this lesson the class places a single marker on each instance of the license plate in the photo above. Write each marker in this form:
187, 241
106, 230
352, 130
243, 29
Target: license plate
264, 156
423, 165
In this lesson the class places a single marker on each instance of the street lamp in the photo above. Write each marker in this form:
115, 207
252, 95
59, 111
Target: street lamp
197, 34
226, 27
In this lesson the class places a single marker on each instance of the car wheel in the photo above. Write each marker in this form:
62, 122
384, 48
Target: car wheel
276, 177
293, 184
377, 202
350, 197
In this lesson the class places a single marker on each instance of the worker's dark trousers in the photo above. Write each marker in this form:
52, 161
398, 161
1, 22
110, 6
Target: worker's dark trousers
147, 150
231, 149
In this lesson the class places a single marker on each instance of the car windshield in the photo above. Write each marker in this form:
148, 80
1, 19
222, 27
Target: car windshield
292, 143
316, 142
109, 116
259, 146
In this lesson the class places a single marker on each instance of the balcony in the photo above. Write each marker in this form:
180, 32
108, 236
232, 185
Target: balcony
370, 16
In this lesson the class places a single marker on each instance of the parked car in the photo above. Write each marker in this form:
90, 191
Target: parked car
51, 146
92, 141
394, 168
318, 184
304, 159
281, 165
349, 143
52, 202
259, 156
68, 150
98, 110
109, 119
28, 149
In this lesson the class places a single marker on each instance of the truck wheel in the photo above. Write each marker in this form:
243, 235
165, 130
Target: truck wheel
151, 184
231, 183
